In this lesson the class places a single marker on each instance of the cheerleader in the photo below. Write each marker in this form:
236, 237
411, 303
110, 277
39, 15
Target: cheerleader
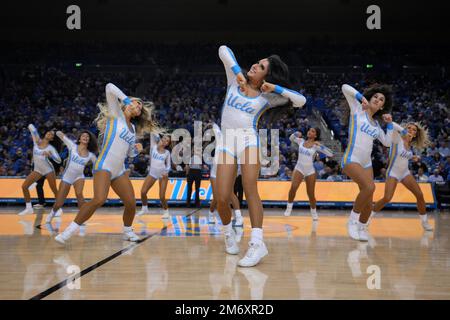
247, 97
158, 171
304, 169
42, 167
403, 140
81, 153
115, 123
357, 162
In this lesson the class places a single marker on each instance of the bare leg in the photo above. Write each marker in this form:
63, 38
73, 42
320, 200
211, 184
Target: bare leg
389, 189
250, 173
366, 189
63, 191
413, 186
124, 189
162, 191
310, 186
226, 174
148, 183
235, 201
51, 179
78, 186
213, 204
102, 182
30, 179
297, 178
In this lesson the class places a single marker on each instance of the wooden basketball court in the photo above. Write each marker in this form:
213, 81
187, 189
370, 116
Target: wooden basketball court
184, 258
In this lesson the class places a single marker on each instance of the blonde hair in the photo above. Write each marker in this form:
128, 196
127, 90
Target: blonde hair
422, 139
145, 123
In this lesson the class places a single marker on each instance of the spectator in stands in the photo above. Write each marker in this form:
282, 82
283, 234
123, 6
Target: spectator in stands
435, 177
421, 176
335, 176
443, 149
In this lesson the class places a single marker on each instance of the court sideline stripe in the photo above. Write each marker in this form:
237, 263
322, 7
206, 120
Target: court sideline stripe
63, 283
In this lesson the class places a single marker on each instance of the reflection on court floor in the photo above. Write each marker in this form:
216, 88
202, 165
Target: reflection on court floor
183, 258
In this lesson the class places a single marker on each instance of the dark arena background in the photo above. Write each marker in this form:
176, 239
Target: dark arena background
56, 59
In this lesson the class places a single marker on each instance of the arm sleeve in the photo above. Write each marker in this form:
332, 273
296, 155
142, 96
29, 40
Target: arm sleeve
168, 162
34, 133
398, 132
69, 143
353, 97
297, 99
326, 151
386, 138
229, 62
132, 151
113, 95
154, 139
295, 139
54, 155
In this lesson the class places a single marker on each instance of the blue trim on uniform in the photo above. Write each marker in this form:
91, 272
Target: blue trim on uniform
390, 126
393, 160
359, 97
278, 89
258, 115
236, 69
111, 139
355, 128
127, 101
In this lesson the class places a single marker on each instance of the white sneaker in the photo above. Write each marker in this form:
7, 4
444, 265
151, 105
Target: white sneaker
50, 229
231, 246
211, 218
49, 218
38, 206
142, 212
239, 233
239, 221
255, 252
82, 230
426, 226
352, 229
288, 212
314, 216
363, 234
58, 213
131, 236
26, 211
166, 214
60, 239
